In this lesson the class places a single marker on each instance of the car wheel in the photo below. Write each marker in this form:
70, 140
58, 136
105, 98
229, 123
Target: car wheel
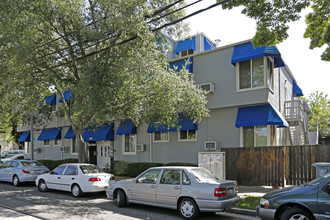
15, 180
188, 208
76, 191
42, 186
296, 213
121, 198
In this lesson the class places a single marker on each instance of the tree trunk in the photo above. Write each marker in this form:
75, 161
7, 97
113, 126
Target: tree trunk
82, 157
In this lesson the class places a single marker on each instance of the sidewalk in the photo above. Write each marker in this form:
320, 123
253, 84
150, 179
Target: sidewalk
8, 214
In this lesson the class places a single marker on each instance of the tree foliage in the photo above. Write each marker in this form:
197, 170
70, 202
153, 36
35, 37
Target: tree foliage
274, 16
105, 52
320, 106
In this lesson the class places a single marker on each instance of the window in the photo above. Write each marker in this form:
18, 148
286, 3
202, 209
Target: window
189, 135
73, 146
258, 136
186, 52
185, 179
71, 170
150, 176
129, 144
171, 177
161, 137
27, 147
46, 142
255, 73
59, 170
57, 142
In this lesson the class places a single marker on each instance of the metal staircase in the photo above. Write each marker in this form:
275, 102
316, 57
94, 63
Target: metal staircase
295, 116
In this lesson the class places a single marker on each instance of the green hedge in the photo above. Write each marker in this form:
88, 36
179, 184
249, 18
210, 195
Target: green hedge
134, 169
52, 164
119, 168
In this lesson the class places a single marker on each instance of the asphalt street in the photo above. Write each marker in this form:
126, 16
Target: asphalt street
26, 202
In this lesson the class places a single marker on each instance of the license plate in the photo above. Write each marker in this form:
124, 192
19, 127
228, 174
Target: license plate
230, 191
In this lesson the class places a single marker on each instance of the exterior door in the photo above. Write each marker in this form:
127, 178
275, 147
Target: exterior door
54, 179
145, 186
169, 187
69, 177
93, 155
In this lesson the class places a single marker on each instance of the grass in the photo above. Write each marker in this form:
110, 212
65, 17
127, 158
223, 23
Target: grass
249, 202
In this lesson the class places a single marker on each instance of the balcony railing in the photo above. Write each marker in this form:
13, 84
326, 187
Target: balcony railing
294, 110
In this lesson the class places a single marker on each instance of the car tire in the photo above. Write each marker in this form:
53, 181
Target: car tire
16, 180
76, 191
121, 198
188, 208
296, 213
42, 187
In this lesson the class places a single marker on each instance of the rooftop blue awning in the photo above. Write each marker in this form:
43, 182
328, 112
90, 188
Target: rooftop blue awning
259, 115
25, 137
67, 94
296, 89
185, 123
70, 134
208, 45
185, 45
246, 51
126, 127
100, 133
181, 63
51, 99
50, 134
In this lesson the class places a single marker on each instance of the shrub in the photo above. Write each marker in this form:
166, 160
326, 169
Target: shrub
181, 164
52, 164
134, 169
119, 168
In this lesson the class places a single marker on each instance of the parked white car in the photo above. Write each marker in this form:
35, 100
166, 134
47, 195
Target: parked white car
14, 157
77, 178
10, 153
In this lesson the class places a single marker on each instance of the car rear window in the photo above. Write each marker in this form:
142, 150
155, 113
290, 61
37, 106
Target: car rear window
203, 174
31, 164
87, 169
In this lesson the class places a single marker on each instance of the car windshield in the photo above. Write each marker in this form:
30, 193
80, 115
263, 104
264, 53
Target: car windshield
202, 174
88, 169
318, 180
31, 164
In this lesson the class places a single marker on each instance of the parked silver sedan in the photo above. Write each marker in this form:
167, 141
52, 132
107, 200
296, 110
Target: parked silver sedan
190, 190
17, 171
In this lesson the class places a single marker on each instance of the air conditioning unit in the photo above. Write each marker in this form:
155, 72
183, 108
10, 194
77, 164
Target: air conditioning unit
208, 87
140, 147
210, 145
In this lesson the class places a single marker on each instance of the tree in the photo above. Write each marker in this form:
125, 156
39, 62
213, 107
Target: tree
320, 106
105, 52
274, 16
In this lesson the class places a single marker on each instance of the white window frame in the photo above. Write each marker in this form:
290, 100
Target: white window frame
58, 142
161, 135
27, 147
271, 87
131, 136
72, 143
185, 140
270, 128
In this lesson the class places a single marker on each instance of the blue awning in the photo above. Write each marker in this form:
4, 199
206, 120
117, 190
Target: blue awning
185, 45
259, 115
296, 89
25, 137
180, 64
51, 99
67, 94
50, 134
185, 123
126, 127
100, 133
70, 134
208, 45
246, 51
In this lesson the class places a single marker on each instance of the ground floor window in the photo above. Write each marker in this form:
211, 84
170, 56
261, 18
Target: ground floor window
129, 144
57, 142
189, 135
161, 137
258, 136
27, 147
74, 149
46, 142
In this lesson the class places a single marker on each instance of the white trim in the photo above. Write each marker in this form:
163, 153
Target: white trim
58, 142
161, 141
71, 147
46, 145
134, 136
187, 140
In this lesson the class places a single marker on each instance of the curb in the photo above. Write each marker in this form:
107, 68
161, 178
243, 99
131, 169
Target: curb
242, 211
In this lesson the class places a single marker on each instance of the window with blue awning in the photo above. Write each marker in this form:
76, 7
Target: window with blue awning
126, 127
25, 137
185, 45
181, 63
51, 99
185, 124
100, 133
259, 115
67, 95
246, 51
296, 89
50, 134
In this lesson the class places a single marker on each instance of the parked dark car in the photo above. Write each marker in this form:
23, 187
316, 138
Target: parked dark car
304, 202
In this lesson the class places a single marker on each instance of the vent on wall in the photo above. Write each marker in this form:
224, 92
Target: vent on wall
210, 145
208, 87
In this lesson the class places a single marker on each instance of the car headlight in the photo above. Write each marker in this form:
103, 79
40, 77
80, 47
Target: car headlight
264, 202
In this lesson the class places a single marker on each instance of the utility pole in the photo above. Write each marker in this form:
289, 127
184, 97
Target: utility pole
31, 136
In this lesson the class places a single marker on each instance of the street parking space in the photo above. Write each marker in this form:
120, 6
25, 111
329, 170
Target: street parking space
58, 204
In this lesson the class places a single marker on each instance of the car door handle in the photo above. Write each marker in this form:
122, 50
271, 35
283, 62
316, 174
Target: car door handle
72, 178
177, 187
152, 186
58, 177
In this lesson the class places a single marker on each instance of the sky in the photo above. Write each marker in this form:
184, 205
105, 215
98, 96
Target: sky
230, 26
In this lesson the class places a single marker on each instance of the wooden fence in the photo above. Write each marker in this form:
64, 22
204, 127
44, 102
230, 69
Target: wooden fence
274, 166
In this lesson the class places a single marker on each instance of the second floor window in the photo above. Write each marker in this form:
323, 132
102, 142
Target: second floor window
255, 73
129, 144
161, 137
186, 52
